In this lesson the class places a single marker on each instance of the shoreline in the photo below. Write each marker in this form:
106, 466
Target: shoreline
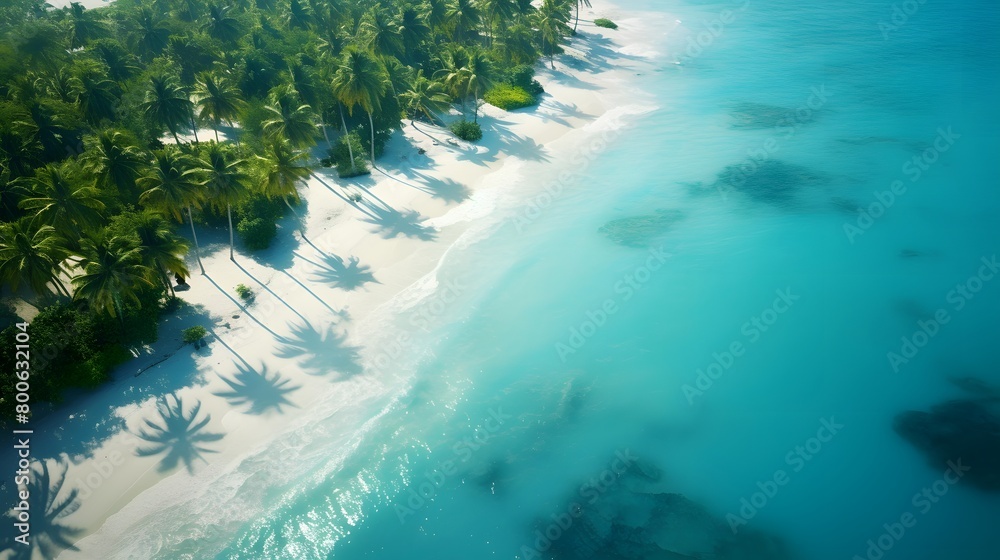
411, 214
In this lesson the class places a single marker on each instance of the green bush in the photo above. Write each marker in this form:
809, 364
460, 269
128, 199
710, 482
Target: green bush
605, 23
96, 370
523, 76
256, 233
244, 291
259, 206
341, 156
509, 97
194, 334
467, 130
73, 347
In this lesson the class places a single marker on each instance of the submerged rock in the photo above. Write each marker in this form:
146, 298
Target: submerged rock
634, 520
769, 181
640, 231
966, 430
761, 115
974, 385
846, 205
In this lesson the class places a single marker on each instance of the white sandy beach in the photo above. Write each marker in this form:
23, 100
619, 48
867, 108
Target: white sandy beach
306, 345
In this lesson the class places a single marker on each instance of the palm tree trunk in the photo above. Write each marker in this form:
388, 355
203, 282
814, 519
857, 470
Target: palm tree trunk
350, 149
216, 134
229, 214
371, 123
166, 279
475, 101
121, 315
326, 135
194, 129
302, 227
60, 288
176, 139
197, 250
576, 23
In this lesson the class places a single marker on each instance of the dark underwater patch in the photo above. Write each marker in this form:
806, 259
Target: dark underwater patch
640, 231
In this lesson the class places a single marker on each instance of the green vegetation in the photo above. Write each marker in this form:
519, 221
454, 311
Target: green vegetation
124, 125
605, 23
244, 291
347, 147
194, 335
467, 130
509, 97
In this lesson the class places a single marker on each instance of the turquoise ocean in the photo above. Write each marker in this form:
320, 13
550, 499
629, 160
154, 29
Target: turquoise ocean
719, 304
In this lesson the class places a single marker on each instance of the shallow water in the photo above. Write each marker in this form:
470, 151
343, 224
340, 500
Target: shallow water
565, 347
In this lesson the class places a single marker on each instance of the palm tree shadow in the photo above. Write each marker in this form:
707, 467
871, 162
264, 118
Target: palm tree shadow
260, 390
482, 157
48, 537
394, 223
349, 275
176, 434
445, 188
270, 291
320, 351
525, 148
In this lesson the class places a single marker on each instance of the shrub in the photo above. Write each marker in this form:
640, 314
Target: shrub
259, 206
341, 156
523, 76
257, 233
194, 334
509, 97
73, 347
244, 291
467, 130
605, 23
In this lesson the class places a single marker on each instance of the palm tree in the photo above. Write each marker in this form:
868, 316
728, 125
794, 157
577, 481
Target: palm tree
31, 255
57, 199
425, 96
12, 192
41, 44
20, 151
360, 80
414, 29
454, 73
97, 96
518, 42
479, 77
122, 65
576, 22
227, 182
218, 100
497, 11
114, 159
289, 118
298, 15
149, 32
437, 13
552, 22
175, 183
167, 104
112, 272
160, 249
83, 27
221, 25
465, 16
382, 33
280, 167
313, 89
53, 125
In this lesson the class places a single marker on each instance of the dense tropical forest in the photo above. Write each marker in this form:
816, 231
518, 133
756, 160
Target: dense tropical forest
122, 124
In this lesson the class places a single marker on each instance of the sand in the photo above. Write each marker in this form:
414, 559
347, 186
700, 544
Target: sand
319, 299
